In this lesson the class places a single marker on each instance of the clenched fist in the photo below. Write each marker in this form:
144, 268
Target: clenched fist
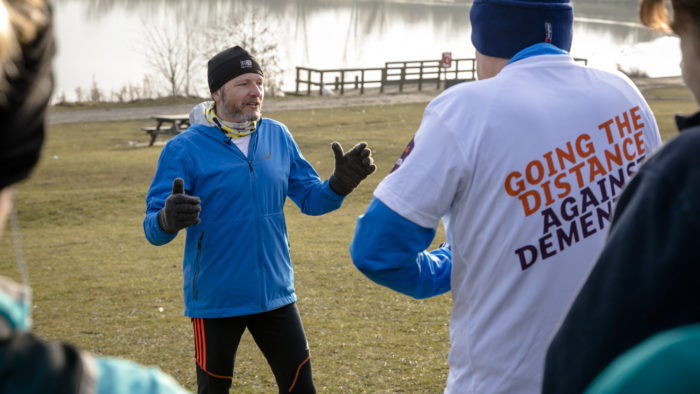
180, 210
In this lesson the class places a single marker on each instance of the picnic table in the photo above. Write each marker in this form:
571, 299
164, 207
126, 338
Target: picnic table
167, 124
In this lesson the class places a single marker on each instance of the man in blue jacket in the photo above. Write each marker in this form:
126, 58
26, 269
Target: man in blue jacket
226, 179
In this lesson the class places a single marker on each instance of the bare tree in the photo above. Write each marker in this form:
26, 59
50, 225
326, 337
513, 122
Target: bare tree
134, 92
190, 58
95, 92
61, 99
177, 52
171, 51
258, 35
147, 88
119, 95
162, 51
78, 94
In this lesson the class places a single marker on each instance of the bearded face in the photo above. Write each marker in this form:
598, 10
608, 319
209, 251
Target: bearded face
240, 99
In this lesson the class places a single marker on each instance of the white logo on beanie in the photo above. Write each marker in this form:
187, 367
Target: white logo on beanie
246, 63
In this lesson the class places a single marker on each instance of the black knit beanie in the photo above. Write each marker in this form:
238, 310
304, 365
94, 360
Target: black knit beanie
229, 64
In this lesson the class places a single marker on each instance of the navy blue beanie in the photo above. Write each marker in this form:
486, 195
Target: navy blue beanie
501, 28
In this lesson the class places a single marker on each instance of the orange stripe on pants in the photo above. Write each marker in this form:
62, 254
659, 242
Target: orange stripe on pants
199, 342
294, 382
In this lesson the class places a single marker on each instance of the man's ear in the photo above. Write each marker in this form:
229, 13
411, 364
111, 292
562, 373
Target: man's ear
216, 96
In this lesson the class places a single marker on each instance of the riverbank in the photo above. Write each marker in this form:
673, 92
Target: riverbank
103, 114
270, 104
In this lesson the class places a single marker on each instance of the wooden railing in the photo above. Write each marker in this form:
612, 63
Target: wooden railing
427, 73
339, 79
418, 74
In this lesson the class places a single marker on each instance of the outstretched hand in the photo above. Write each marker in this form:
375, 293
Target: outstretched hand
180, 210
351, 167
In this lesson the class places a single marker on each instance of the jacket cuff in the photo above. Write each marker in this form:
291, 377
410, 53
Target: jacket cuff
154, 233
331, 194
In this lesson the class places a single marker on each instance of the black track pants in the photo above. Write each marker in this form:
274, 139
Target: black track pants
279, 335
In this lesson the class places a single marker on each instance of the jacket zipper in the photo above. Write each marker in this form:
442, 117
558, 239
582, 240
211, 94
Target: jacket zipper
257, 232
251, 153
196, 265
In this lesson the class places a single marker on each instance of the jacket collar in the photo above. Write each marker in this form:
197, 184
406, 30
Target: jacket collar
541, 48
686, 122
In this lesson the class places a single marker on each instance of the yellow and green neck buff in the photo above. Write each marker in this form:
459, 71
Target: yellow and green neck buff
233, 129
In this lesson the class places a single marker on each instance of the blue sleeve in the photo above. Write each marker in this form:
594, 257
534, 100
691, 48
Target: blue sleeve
390, 250
305, 188
154, 234
118, 376
169, 167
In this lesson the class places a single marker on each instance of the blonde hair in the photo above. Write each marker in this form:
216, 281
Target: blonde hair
656, 14
653, 13
20, 22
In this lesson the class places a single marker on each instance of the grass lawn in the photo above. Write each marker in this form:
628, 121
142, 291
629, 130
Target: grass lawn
99, 284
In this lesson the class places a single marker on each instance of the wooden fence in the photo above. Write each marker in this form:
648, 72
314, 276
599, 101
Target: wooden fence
418, 74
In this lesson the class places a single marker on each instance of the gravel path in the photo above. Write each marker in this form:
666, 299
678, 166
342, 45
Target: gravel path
274, 104
288, 103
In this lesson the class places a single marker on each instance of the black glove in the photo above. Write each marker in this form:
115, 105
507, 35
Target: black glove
350, 168
180, 210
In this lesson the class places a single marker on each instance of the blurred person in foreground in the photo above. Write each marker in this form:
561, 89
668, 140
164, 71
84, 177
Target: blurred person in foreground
522, 166
29, 364
225, 180
647, 278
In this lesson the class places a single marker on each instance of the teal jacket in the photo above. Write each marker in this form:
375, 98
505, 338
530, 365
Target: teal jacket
236, 260
30, 364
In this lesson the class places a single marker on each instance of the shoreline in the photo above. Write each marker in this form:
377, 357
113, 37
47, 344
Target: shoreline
291, 103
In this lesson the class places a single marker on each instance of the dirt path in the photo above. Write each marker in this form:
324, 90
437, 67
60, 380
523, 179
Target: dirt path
274, 104
289, 103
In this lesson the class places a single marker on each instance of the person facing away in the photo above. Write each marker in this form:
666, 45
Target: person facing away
523, 167
28, 363
225, 179
645, 281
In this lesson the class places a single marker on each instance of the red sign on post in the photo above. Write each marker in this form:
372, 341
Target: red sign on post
446, 61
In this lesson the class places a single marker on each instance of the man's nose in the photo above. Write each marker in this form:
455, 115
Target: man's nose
256, 91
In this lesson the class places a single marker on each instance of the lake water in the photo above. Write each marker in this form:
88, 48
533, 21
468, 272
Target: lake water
102, 42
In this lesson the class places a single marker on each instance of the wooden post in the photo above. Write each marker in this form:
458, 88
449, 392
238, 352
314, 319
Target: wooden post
335, 85
308, 82
342, 83
362, 86
439, 75
357, 81
403, 75
320, 85
381, 88
420, 77
297, 84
